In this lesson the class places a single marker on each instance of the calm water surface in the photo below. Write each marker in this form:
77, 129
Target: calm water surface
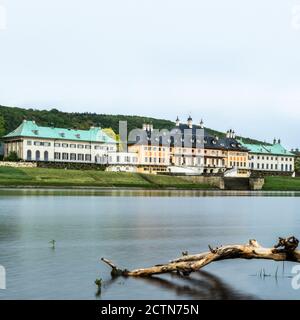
139, 229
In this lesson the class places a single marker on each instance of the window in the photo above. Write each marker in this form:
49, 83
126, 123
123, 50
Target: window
267, 166
80, 157
56, 155
88, 157
56, 144
262, 165
37, 143
72, 156
80, 146
47, 144
37, 155
29, 155
271, 166
46, 156
72, 145
258, 167
291, 167
65, 145
276, 166
29, 142
87, 146
65, 156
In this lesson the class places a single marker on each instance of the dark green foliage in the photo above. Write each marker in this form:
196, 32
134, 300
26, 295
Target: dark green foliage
71, 165
297, 165
13, 156
12, 118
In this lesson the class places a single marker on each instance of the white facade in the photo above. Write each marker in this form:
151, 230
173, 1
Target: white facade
122, 162
267, 162
66, 151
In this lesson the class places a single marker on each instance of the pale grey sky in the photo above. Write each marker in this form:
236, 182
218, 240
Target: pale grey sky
234, 63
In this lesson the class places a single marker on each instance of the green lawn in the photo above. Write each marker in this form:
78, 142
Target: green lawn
90, 178
282, 184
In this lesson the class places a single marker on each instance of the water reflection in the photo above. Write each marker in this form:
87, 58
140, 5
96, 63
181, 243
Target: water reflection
201, 285
104, 192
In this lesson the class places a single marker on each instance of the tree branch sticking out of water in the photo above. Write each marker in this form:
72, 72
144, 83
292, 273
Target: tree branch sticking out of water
284, 250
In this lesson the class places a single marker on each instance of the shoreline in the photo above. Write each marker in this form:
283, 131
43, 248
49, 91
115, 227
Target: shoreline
159, 190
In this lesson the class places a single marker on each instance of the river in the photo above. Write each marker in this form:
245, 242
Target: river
136, 228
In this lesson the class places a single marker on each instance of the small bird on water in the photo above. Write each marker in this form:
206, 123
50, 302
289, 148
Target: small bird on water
53, 243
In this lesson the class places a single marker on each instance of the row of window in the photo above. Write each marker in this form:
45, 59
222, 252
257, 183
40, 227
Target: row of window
155, 160
39, 143
154, 148
72, 156
126, 159
268, 166
269, 158
68, 145
238, 164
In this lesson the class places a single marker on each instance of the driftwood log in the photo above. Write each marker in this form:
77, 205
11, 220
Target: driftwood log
284, 250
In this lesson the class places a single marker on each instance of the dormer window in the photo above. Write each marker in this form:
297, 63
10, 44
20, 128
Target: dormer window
62, 134
36, 132
77, 136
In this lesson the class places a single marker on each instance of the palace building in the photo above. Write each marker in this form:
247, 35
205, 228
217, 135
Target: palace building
32, 142
270, 158
189, 149
185, 149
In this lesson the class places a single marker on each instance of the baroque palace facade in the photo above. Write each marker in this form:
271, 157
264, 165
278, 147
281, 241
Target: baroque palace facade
186, 149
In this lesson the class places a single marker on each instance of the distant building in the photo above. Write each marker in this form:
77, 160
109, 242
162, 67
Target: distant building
32, 142
270, 158
189, 149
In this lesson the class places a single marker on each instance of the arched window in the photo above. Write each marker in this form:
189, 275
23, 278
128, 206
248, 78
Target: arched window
46, 156
37, 155
29, 155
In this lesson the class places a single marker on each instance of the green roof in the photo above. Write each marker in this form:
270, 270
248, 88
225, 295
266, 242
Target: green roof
31, 129
274, 149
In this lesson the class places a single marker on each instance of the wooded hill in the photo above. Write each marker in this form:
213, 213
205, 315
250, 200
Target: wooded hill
11, 117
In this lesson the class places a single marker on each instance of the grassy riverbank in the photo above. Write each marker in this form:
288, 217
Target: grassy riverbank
282, 184
90, 178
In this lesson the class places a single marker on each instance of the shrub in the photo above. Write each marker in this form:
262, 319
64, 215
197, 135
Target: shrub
13, 156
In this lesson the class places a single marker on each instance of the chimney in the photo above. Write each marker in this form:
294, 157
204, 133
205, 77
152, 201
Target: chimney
279, 141
233, 134
177, 121
148, 127
227, 134
274, 141
151, 127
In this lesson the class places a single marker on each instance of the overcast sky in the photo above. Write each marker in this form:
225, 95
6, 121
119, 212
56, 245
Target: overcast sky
234, 63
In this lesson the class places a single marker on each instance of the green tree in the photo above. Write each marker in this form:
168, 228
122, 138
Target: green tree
2, 126
13, 156
297, 165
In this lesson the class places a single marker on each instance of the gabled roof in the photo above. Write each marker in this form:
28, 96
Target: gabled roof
275, 149
31, 129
